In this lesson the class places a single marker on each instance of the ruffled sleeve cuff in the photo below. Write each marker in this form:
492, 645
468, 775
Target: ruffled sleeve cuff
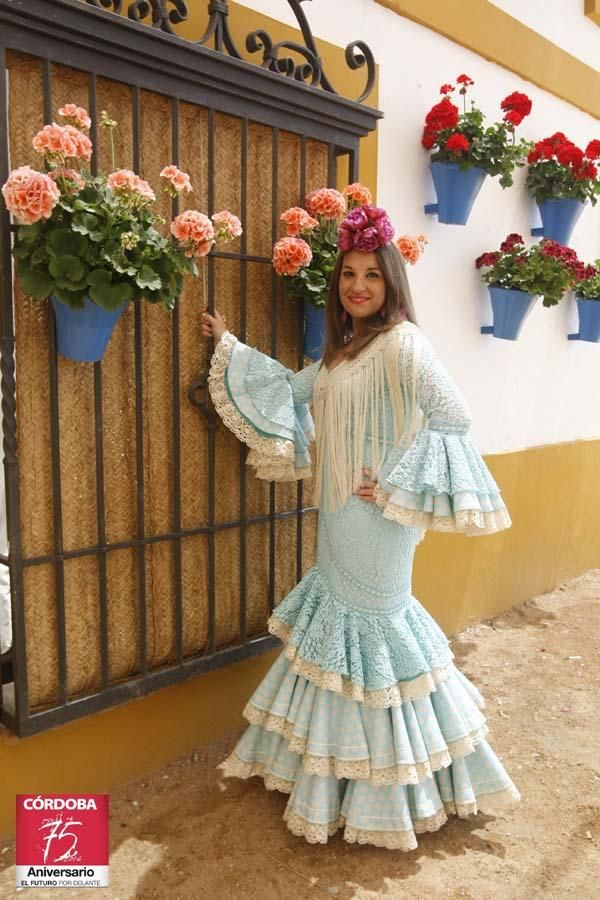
442, 484
253, 396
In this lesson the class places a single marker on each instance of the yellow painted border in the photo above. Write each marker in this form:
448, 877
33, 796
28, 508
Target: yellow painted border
592, 10
487, 30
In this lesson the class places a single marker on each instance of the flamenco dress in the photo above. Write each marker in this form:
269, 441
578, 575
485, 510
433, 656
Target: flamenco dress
364, 719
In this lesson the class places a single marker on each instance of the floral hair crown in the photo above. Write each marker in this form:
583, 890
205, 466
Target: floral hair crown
365, 228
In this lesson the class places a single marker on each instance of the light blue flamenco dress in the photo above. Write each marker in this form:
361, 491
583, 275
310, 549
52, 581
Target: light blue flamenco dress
363, 719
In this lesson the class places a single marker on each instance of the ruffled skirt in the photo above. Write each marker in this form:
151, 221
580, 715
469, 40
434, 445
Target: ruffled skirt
367, 724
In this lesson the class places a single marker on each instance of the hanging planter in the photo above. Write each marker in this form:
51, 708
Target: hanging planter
589, 320
465, 149
83, 334
559, 216
314, 330
456, 190
510, 309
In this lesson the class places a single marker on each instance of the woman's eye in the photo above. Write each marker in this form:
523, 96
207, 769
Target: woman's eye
373, 274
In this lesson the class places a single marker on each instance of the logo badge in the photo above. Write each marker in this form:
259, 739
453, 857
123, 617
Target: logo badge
62, 840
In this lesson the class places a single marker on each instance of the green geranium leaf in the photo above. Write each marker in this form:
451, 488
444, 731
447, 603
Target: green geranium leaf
85, 223
111, 296
68, 268
64, 241
36, 284
148, 279
98, 278
76, 300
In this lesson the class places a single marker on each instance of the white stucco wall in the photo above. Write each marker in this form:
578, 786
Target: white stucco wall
529, 392
561, 21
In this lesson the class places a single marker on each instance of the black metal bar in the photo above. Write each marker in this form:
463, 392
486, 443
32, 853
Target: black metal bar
274, 299
211, 423
353, 165
140, 686
139, 423
243, 337
99, 434
300, 364
9, 432
176, 375
164, 536
331, 166
61, 634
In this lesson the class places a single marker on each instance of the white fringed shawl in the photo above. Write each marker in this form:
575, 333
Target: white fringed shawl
350, 399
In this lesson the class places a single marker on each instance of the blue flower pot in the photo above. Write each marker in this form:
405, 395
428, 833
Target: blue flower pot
314, 330
559, 217
456, 190
83, 334
510, 308
589, 320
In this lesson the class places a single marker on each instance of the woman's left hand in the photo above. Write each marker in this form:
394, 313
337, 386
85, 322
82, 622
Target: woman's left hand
365, 492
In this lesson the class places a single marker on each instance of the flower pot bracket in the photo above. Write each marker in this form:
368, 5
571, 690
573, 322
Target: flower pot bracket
431, 209
538, 231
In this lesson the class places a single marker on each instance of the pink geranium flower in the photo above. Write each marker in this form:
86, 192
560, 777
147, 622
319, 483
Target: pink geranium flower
74, 181
75, 115
177, 181
59, 142
290, 254
194, 231
129, 185
30, 195
227, 226
326, 203
411, 248
297, 221
357, 194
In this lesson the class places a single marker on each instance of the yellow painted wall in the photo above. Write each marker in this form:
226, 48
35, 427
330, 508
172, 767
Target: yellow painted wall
458, 579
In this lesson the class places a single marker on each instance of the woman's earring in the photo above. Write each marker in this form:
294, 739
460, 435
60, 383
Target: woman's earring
344, 316
382, 311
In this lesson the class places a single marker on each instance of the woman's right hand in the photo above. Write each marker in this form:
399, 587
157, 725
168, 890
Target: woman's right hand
213, 326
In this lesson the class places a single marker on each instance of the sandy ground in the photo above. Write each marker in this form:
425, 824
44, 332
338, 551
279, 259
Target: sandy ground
185, 833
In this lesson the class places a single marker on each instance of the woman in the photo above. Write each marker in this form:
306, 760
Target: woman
363, 718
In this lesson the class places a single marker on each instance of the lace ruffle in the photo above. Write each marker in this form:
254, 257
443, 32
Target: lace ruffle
398, 840
234, 767
272, 457
471, 522
401, 773
394, 695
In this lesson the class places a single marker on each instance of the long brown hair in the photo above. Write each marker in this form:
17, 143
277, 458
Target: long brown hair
398, 305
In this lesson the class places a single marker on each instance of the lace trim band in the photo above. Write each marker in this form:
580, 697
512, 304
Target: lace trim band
361, 769
272, 457
394, 695
471, 522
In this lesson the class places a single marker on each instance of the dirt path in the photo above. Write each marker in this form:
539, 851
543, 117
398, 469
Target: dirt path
186, 834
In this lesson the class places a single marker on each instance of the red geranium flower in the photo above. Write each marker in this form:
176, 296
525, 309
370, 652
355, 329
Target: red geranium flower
592, 151
457, 143
513, 117
487, 259
464, 79
588, 170
569, 155
446, 89
429, 138
443, 115
517, 102
510, 242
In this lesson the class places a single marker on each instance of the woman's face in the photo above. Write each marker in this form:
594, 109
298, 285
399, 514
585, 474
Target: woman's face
361, 285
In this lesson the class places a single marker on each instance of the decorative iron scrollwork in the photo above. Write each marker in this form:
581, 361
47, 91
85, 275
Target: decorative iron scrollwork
167, 13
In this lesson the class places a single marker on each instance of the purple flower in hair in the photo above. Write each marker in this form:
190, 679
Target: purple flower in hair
345, 236
375, 212
385, 229
367, 240
356, 219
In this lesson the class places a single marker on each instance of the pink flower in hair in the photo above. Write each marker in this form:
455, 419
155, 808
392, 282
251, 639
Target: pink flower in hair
227, 226
75, 115
290, 254
326, 203
366, 240
365, 228
30, 195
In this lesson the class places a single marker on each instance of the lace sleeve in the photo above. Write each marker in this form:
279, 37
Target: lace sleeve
441, 482
253, 395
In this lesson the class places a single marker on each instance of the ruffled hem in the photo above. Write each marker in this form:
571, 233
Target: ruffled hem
328, 643
437, 513
443, 484
273, 458
399, 840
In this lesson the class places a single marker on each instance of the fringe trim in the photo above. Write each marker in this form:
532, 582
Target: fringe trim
399, 840
472, 522
361, 769
350, 401
273, 458
394, 695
